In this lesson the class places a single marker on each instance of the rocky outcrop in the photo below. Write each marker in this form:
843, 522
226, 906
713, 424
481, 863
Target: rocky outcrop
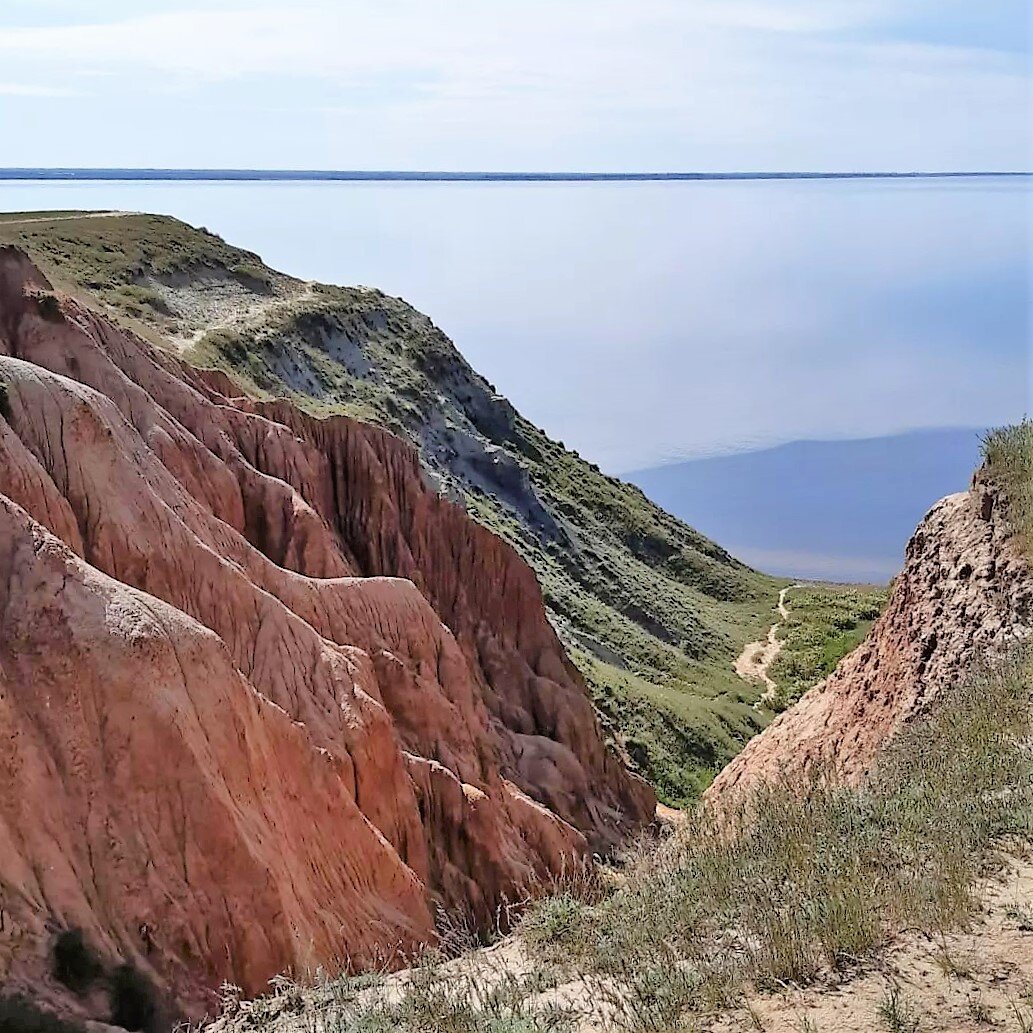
965, 593
266, 700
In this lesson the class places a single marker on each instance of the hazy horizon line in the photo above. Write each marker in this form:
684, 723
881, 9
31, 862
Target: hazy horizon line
750, 448
387, 175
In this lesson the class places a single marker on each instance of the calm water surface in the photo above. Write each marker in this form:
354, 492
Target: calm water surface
643, 322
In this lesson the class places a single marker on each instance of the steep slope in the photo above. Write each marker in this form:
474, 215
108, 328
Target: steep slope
964, 596
652, 612
266, 699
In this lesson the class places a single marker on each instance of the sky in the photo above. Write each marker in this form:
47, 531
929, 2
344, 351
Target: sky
606, 85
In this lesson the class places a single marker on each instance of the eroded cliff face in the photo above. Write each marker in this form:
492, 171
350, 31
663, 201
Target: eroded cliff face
266, 700
964, 595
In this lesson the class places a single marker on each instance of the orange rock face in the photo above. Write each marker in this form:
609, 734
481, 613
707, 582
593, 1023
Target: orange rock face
265, 699
964, 593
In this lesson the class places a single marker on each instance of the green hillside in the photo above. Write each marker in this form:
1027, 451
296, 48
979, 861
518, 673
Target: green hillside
652, 612
825, 623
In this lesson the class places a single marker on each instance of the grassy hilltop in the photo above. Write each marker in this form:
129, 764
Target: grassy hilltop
652, 612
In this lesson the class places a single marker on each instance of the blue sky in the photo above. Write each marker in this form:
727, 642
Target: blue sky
518, 84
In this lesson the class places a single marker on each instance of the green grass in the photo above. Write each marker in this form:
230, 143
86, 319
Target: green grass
653, 612
659, 724
116, 259
1008, 460
141, 302
825, 623
102, 254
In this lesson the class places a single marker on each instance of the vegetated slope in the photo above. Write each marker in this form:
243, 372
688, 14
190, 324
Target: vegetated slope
823, 624
266, 700
652, 612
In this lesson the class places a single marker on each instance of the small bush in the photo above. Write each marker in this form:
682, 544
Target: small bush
226, 343
133, 1004
74, 964
1008, 456
5, 403
253, 276
896, 1013
49, 307
140, 301
555, 919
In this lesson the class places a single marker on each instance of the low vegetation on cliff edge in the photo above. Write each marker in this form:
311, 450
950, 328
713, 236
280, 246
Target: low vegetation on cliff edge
1008, 455
651, 611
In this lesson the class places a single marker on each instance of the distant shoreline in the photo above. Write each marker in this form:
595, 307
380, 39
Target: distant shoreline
312, 175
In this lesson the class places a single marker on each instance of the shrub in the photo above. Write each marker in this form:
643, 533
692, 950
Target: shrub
137, 300
556, 918
74, 964
49, 307
133, 1004
5, 403
1008, 456
253, 276
896, 1013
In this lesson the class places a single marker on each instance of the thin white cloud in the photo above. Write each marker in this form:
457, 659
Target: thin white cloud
602, 83
17, 89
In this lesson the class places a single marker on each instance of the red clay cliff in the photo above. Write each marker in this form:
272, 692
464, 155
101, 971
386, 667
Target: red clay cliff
266, 700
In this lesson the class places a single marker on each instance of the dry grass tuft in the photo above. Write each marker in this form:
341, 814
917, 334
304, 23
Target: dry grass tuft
1008, 458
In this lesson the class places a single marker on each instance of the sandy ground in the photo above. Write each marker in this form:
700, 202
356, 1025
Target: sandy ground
981, 979
756, 657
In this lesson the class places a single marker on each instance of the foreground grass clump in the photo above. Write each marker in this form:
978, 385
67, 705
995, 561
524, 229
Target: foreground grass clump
460, 1004
825, 623
436, 996
1008, 459
812, 878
